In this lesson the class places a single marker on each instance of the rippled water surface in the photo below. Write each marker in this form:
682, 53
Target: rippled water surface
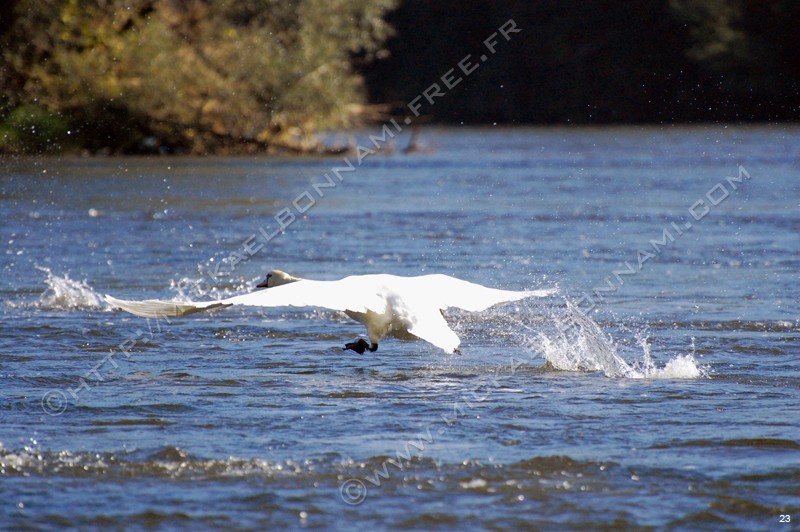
659, 387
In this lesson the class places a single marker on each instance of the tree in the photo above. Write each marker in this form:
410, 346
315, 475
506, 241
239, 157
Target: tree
201, 75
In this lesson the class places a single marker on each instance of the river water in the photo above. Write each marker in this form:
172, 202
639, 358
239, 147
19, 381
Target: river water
659, 387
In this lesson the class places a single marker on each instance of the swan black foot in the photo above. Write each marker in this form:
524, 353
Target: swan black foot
361, 345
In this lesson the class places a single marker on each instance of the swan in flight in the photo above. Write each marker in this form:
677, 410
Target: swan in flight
388, 305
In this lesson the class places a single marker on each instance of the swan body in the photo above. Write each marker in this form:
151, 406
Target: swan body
388, 305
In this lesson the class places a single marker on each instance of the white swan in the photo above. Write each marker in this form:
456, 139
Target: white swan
388, 305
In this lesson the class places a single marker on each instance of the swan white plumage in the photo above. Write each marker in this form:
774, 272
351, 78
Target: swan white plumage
388, 305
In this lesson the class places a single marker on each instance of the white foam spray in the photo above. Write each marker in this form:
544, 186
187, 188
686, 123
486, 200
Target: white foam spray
63, 293
577, 343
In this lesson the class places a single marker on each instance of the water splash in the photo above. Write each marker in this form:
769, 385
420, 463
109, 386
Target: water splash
63, 293
199, 289
577, 343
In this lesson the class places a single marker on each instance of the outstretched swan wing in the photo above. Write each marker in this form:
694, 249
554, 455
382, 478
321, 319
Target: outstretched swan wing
426, 296
351, 293
156, 308
337, 295
472, 297
432, 327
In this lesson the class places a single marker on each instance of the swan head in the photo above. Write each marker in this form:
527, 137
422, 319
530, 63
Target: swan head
277, 278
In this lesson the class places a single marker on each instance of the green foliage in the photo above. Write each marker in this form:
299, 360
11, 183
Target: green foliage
34, 129
203, 75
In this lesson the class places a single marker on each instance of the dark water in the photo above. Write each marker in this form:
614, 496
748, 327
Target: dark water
674, 403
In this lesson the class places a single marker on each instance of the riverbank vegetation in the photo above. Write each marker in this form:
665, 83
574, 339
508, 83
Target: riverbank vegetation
184, 75
265, 76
